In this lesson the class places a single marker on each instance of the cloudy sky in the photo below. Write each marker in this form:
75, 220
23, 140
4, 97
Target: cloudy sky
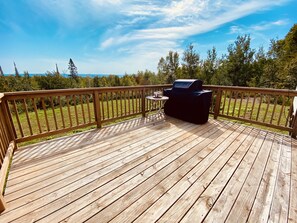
124, 36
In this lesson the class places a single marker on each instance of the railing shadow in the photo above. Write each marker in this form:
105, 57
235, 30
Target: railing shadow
46, 149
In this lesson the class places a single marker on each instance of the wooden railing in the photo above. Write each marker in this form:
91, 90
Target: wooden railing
38, 114
35, 114
268, 107
7, 146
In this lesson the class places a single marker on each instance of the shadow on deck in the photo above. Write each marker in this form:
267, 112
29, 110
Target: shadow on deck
147, 171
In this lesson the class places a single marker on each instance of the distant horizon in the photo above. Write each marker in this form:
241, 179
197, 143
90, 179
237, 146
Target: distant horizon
126, 36
65, 74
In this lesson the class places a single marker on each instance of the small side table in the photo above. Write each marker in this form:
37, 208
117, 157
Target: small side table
158, 102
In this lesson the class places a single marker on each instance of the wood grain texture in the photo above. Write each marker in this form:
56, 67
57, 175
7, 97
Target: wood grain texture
162, 171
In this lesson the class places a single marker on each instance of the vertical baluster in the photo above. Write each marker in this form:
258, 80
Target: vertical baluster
112, 106
69, 112
139, 101
82, 108
273, 110
54, 113
88, 107
36, 115
239, 109
267, 108
27, 116
213, 96
255, 97
61, 112
45, 114
107, 104
75, 109
246, 105
229, 102
125, 98
18, 118
117, 103
223, 110
133, 106
290, 111
236, 95
121, 103
102, 105
129, 103
259, 109
282, 109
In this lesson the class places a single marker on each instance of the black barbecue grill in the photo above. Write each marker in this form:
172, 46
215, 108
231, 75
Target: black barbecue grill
187, 101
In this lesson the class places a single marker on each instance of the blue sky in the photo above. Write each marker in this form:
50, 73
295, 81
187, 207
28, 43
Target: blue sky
119, 36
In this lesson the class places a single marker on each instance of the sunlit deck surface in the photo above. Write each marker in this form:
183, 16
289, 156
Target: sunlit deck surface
165, 171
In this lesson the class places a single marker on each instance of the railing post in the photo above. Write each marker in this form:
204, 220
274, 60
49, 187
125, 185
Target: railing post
143, 102
97, 109
218, 103
2, 203
294, 126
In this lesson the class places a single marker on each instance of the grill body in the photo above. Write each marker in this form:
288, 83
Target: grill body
187, 101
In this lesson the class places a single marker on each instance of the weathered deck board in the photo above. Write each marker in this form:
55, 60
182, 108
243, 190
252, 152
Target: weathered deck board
168, 171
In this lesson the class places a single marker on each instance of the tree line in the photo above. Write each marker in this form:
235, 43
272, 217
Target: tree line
240, 66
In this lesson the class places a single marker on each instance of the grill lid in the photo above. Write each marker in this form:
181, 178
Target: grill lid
188, 85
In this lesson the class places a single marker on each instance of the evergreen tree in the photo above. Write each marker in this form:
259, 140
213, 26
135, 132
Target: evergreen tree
191, 62
240, 61
17, 74
1, 72
168, 68
209, 67
57, 69
73, 70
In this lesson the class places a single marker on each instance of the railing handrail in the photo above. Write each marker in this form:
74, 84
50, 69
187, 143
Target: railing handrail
78, 90
285, 92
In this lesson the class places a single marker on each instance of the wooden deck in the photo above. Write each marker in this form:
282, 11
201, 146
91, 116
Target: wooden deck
168, 171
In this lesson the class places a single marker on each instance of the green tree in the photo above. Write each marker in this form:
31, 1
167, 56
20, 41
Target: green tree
128, 80
191, 63
258, 68
209, 67
52, 80
240, 61
168, 68
96, 81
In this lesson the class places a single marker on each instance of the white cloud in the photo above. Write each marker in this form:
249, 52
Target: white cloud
235, 29
194, 23
268, 25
